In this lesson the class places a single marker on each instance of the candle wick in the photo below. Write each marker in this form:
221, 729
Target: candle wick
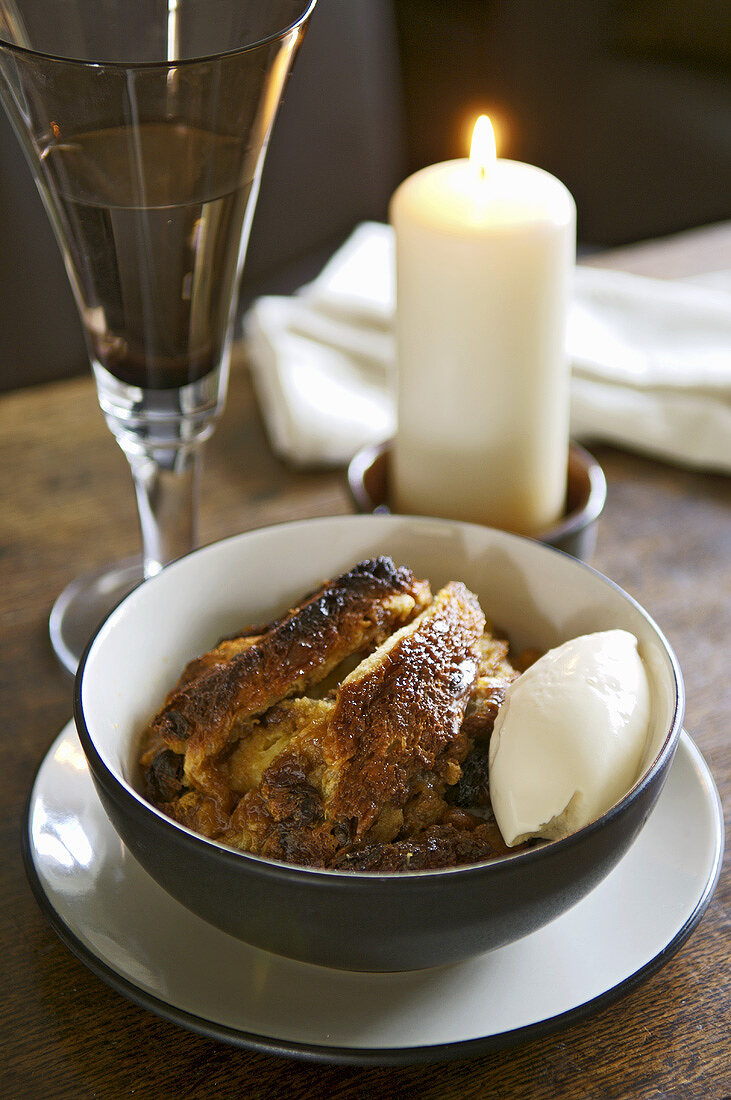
483, 172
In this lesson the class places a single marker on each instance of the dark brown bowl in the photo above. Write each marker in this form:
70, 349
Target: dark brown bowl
575, 533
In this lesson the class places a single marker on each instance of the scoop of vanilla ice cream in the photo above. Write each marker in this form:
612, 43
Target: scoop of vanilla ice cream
569, 738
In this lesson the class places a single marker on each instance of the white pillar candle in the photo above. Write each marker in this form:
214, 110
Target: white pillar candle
485, 250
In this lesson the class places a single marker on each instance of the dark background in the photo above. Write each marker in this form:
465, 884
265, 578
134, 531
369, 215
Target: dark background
627, 101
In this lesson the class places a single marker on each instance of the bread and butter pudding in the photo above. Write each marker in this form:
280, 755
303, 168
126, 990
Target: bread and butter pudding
350, 734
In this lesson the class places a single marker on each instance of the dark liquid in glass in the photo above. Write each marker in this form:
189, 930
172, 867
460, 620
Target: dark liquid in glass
152, 220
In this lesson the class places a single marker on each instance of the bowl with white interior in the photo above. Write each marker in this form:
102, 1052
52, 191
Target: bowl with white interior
355, 920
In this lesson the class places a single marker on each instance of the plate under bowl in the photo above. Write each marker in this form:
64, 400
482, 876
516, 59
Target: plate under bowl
134, 936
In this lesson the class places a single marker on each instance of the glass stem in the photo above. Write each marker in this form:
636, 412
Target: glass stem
166, 482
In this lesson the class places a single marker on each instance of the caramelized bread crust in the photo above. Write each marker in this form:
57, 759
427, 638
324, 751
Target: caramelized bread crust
357, 609
402, 709
370, 770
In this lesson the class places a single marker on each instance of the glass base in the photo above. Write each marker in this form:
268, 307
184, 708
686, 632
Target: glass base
84, 605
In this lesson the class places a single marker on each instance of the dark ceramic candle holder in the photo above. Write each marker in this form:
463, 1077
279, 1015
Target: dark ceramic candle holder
575, 533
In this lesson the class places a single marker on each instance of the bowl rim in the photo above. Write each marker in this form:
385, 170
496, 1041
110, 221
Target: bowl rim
121, 791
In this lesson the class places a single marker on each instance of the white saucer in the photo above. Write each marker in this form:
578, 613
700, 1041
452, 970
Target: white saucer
126, 929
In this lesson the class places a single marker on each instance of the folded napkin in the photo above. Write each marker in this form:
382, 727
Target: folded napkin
650, 359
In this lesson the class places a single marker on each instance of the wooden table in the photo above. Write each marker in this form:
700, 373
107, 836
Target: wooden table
67, 505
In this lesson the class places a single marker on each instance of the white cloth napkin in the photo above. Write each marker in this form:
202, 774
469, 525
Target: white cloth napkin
651, 360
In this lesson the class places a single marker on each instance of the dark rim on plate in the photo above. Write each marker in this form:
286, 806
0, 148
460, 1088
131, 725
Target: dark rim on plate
370, 1056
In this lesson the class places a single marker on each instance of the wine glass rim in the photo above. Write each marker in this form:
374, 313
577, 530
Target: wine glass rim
167, 64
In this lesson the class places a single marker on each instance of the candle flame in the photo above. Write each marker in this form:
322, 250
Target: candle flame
483, 152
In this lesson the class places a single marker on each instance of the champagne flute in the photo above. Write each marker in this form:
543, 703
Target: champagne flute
145, 123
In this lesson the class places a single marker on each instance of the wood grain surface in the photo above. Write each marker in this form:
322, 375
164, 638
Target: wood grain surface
67, 504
